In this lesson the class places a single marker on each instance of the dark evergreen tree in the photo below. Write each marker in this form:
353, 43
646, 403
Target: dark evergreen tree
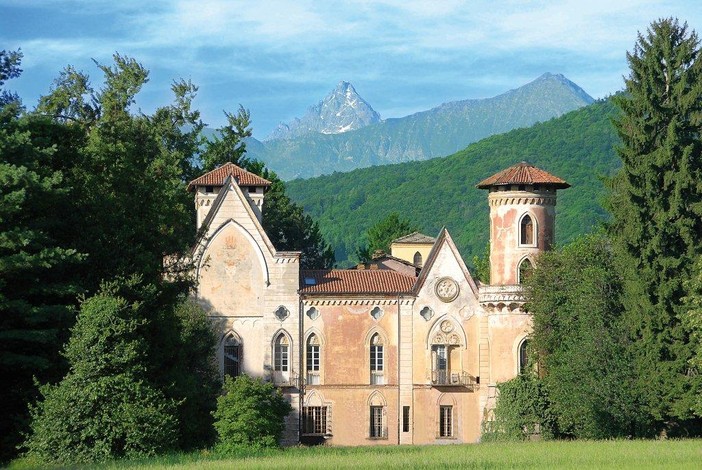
656, 204
36, 286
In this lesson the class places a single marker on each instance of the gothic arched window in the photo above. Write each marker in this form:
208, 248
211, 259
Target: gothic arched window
281, 353
376, 359
526, 231
525, 269
232, 356
418, 259
523, 356
313, 360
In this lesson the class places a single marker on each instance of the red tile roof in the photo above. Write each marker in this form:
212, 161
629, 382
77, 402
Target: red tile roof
523, 173
347, 281
218, 176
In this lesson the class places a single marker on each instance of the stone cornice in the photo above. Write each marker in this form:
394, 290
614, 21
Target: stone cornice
497, 199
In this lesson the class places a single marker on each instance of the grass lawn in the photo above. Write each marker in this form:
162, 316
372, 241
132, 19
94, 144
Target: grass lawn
541, 455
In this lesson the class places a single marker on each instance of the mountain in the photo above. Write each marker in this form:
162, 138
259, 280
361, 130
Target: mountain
437, 132
578, 147
343, 110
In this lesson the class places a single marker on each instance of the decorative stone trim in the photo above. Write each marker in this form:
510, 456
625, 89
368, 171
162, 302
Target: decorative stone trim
514, 200
331, 302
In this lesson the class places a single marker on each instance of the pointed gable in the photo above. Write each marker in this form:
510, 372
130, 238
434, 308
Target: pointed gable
444, 242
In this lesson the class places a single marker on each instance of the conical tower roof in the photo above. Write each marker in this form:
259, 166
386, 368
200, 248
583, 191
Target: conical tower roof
523, 173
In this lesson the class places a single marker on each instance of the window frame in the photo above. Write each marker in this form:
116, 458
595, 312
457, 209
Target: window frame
522, 233
318, 416
231, 341
446, 422
281, 353
376, 360
313, 359
378, 428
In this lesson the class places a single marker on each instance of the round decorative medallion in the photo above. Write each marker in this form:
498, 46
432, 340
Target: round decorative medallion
446, 326
446, 289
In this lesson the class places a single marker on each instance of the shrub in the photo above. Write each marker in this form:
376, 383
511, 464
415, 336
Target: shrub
249, 414
105, 407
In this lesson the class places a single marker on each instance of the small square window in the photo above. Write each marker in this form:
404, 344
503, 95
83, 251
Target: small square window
209, 189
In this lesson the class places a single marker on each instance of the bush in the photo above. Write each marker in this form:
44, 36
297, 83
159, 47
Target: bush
104, 408
249, 414
523, 412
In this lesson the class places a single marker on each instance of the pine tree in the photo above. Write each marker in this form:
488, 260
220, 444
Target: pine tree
656, 204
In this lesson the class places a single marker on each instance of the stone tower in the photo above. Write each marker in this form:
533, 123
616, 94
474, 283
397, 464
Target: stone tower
522, 202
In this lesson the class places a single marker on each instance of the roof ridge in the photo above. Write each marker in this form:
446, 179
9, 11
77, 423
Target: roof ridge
218, 176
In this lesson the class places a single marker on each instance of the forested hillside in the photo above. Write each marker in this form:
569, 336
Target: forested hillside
578, 147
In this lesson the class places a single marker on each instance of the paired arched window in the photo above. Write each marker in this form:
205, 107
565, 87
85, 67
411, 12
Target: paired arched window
527, 231
376, 360
232, 356
313, 359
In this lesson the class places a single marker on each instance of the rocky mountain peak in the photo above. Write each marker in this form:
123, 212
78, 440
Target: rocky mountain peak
340, 111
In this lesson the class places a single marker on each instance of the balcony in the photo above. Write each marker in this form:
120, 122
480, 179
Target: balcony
445, 378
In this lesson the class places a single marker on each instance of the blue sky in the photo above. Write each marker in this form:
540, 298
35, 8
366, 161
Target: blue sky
276, 58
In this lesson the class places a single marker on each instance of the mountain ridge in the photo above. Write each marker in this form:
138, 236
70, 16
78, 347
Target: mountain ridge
436, 132
342, 110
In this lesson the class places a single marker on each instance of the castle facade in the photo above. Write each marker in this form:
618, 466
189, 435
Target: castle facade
406, 349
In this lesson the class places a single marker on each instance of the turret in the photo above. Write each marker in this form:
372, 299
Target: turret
522, 202
208, 186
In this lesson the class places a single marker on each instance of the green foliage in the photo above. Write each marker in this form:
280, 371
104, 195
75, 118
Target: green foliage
228, 144
481, 266
381, 235
105, 407
441, 192
249, 414
523, 412
693, 321
580, 339
656, 203
36, 266
9, 68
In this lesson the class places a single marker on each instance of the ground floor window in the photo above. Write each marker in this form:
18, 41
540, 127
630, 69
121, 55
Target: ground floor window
446, 421
405, 419
314, 420
377, 423
232, 357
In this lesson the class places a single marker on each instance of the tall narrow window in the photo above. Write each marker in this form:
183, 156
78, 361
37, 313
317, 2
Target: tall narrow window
527, 231
440, 358
525, 268
281, 360
313, 360
377, 424
376, 360
314, 420
418, 259
405, 419
523, 357
446, 421
232, 357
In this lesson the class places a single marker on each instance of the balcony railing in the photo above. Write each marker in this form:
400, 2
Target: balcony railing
446, 378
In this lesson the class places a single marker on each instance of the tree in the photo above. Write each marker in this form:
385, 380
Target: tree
9, 68
656, 203
36, 286
381, 235
580, 341
693, 321
250, 414
106, 407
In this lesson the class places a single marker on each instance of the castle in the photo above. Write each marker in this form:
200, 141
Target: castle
406, 349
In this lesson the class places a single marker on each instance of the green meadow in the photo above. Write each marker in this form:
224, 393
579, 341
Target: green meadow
618, 454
